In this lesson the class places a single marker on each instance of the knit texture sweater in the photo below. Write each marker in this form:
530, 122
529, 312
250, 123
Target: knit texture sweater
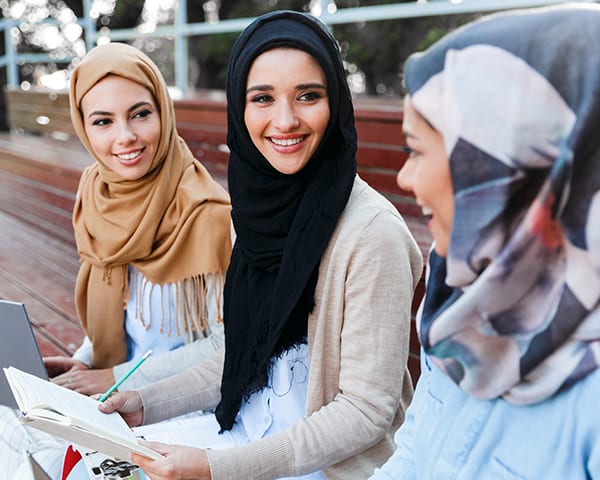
359, 385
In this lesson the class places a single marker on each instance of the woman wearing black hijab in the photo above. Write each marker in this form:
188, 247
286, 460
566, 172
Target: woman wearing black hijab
318, 293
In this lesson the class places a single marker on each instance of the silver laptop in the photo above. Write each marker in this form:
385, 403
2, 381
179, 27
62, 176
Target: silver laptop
18, 347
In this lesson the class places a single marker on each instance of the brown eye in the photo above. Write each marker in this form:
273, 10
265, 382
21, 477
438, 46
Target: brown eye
409, 151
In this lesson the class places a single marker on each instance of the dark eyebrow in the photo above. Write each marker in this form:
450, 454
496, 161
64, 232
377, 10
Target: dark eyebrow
308, 86
135, 106
302, 86
259, 88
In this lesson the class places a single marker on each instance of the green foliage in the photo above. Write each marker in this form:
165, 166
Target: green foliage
433, 35
126, 14
376, 51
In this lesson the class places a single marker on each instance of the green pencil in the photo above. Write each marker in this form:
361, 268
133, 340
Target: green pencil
125, 377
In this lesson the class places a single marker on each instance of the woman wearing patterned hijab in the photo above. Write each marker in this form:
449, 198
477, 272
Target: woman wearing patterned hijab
502, 117
318, 293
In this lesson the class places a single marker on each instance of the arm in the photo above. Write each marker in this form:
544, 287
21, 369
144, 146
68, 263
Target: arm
195, 388
59, 364
166, 364
71, 373
402, 462
84, 353
377, 282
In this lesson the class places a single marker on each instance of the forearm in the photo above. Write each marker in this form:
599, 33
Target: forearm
166, 364
268, 458
402, 462
84, 353
195, 388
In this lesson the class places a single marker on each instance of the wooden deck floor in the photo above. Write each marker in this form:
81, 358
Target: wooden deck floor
39, 270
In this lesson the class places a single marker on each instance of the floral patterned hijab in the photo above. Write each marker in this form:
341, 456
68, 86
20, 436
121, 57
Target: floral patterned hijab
516, 97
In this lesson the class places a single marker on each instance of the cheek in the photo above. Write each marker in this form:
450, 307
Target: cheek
321, 121
253, 121
97, 142
155, 135
423, 182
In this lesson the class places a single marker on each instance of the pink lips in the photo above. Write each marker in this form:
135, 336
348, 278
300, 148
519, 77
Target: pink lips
130, 161
288, 145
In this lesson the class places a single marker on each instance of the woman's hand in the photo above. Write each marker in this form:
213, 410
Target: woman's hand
179, 463
61, 364
80, 377
128, 404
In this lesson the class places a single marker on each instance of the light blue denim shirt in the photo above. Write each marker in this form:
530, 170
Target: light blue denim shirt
450, 435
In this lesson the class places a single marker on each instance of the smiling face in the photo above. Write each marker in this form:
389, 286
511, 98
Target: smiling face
426, 174
287, 107
122, 123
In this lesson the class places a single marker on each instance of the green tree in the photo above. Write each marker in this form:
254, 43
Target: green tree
376, 51
209, 53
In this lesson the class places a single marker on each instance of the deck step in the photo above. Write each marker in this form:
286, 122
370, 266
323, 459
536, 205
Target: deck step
40, 270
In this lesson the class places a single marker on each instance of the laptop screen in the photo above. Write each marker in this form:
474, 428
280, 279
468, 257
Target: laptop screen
18, 347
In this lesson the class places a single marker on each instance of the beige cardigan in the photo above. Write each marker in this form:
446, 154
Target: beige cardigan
358, 334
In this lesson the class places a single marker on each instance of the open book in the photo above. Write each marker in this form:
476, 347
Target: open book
72, 416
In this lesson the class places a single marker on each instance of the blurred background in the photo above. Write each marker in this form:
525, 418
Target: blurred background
190, 40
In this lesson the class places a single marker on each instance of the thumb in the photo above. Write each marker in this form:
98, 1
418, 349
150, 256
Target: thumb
111, 404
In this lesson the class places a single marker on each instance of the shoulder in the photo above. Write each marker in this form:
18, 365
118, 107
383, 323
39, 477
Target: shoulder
370, 231
365, 205
370, 218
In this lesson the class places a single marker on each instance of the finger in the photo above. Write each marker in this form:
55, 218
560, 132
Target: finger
106, 407
162, 448
57, 362
146, 464
63, 379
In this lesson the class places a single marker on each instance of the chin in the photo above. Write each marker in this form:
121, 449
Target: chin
441, 248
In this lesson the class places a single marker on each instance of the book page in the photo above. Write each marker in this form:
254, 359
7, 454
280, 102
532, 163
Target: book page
72, 416
32, 392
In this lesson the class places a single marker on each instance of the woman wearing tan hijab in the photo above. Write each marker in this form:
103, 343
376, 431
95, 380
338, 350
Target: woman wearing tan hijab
152, 230
152, 227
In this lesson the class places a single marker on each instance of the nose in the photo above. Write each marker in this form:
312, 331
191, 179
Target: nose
406, 174
285, 117
126, 134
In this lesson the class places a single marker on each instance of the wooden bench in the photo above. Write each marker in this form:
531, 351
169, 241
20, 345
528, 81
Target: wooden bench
41, 161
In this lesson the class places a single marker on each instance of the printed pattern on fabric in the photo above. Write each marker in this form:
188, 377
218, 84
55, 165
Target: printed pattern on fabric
524, 253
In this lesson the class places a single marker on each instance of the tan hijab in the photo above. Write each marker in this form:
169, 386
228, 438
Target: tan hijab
173, 224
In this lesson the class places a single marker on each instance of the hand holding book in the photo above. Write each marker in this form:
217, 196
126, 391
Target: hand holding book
72, 416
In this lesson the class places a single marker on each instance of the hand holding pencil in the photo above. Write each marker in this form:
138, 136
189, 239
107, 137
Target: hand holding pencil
128, 404
137, 365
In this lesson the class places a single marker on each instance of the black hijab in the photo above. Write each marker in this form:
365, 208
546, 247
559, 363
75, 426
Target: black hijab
283, 222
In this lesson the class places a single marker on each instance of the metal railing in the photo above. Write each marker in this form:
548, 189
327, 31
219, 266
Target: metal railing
180, 30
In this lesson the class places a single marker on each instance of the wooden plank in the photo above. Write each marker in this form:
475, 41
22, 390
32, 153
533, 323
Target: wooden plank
54, 334
52, 156
42, 191
40, 271
40, 262
39, 111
